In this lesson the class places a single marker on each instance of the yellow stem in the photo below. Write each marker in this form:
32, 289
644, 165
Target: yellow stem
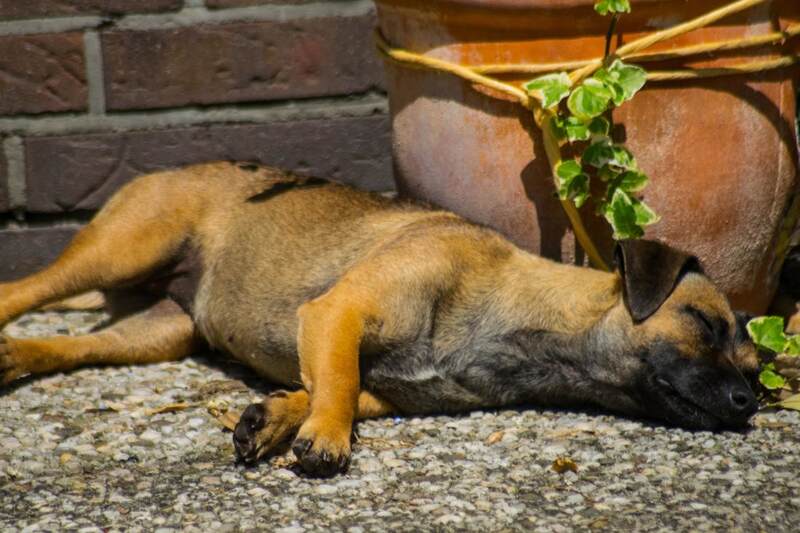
553, 150
649, 40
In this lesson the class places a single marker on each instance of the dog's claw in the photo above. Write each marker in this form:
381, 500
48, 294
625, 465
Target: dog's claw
318, 463
251, 422
10, 368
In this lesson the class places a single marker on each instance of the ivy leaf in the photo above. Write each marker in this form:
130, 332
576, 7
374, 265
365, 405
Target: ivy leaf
573, 183
606, 173
578, 190
644, 214
609, 80
571, 128
630, 77
604, 153
622, 80
633, 181
589, 100
605, 7
771, 379
621, 214
553, 88
767, 332
792, 345
599, 126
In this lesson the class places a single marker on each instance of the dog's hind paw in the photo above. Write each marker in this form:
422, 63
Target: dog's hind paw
12, 364
263, 427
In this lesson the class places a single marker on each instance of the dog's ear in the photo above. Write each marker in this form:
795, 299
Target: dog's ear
650, 271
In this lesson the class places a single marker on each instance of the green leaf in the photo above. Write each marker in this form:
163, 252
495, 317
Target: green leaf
605, 7
792, 345
589, 100
644, 214
622, 80
633, 181
553, 88
630, 77
792, 402
571, 128
621, 214
610, 82
606, 173
599, 126
573, 183
577, 130
578, 190
767, 332
771, 379
604, 153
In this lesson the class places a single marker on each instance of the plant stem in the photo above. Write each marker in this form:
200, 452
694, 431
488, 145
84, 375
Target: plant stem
610, 34
553, 151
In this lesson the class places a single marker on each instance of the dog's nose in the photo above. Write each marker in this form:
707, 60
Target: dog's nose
742, 401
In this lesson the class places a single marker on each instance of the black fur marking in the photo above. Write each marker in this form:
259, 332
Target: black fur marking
715, 330
249, 167
253, 419
284, 186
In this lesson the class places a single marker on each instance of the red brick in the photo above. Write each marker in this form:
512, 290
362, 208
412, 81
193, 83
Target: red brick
25, 251
81, 172
3, 182
240, 62
40, 73
18, 9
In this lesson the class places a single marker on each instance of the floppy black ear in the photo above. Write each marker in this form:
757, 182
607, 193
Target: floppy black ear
650, 271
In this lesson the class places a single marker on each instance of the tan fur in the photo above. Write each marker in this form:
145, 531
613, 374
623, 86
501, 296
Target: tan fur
301, 282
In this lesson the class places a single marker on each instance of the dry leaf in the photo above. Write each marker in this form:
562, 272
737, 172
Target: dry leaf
792, 402
65, 458
283, 461
228, 420
765, 423
168, 408
562, 464
495, 437
788, 365
217, 408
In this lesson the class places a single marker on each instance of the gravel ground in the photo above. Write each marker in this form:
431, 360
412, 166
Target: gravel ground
90, 451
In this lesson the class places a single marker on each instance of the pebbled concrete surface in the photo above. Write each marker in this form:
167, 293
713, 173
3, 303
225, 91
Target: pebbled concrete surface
88, 451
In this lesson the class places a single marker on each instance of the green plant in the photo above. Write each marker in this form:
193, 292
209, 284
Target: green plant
581, 120
780, 369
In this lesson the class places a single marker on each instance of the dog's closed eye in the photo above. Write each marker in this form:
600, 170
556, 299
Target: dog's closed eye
714, 329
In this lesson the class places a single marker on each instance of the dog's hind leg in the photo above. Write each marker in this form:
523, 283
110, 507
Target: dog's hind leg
162, 332
140, 228
264, 426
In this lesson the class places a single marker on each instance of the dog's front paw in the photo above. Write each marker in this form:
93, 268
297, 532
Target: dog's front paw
12, 361
322, 450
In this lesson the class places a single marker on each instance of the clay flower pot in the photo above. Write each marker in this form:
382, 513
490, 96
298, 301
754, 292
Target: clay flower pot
721, 152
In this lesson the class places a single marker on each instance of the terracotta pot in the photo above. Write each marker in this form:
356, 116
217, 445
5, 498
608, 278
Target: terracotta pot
721, 153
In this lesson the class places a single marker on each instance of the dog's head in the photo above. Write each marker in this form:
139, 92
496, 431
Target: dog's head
694, 356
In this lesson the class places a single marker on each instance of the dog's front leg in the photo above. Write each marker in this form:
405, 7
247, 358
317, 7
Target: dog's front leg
329, 338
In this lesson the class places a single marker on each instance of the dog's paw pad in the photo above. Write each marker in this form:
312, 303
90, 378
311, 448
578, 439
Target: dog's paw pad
253, 420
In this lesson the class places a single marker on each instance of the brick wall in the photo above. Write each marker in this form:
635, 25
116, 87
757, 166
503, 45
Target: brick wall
95, 92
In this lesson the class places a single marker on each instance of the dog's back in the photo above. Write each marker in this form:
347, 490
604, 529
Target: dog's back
265, 243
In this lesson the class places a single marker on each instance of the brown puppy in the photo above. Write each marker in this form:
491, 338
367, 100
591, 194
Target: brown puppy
369, 306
